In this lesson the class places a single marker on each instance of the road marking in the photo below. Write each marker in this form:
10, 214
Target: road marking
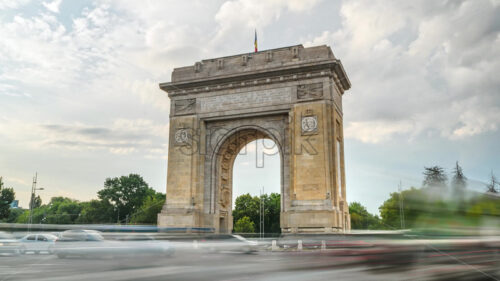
116, 275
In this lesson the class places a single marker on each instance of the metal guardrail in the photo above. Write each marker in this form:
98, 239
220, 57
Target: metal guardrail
103, 228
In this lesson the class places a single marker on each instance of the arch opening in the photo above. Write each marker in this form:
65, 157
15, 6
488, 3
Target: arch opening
248, 159
256, 171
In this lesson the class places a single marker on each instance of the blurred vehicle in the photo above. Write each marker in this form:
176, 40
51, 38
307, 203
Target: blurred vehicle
8, 244
228, 243
90, 243
57, 234
135, 237
37, 243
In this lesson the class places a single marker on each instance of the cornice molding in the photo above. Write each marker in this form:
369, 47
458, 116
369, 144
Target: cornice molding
329, 68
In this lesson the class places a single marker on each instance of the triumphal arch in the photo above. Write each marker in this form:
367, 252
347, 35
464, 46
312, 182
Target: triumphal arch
290, 95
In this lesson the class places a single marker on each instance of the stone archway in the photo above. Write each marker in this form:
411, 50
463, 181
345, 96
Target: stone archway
291, 95
223, 160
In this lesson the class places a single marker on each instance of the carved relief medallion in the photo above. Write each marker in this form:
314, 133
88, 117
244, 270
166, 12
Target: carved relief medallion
309, 124
181, 136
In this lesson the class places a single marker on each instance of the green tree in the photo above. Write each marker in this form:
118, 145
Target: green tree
38, 215
125, 197
484, 205
148, 212
362, 219
60, 210
23, 217
272, 213
36, 201
248, 206
491, 185
244, 225
126, 193
458, 186
415, 203
96, 211
435, 180
14, 214
459, 181
7, 195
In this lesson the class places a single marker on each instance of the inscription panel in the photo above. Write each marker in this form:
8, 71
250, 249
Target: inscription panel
245, 100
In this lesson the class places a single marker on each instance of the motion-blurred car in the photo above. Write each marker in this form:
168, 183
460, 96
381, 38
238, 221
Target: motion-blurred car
77, 243
8, 244
90, 243
37, 243
228, 243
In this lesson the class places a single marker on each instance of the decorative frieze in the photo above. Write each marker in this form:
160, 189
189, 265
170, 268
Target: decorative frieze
310, 91
186, 106
252, 82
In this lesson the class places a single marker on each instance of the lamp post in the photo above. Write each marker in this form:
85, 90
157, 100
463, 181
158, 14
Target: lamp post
33, 192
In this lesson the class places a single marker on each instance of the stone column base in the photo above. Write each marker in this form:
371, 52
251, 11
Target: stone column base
310, 222
178, 217
176, 220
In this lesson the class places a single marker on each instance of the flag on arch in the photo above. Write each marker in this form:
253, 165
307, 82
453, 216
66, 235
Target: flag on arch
255, 41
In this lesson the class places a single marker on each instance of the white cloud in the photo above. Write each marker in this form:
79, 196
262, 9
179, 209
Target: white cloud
237, 19
12, 4
421, 58
53, 6
414, 68
150, 93
124, 136
475, 119
377, 131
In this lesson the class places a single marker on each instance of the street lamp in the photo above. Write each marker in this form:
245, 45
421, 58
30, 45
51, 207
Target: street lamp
33, 192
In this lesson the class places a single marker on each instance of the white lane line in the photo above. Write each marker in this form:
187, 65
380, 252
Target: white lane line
117, 275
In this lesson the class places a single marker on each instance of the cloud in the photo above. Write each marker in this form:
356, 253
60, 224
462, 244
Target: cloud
12, 4
124, 136
377, 131
418, 70
149, 93
53, 6
235, 17
19, 181
474, 119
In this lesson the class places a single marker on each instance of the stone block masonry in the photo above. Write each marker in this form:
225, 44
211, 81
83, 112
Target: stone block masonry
291, 95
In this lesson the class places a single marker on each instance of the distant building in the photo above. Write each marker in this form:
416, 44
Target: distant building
14, 204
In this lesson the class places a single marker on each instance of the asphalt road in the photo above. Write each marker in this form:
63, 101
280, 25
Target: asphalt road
191, 265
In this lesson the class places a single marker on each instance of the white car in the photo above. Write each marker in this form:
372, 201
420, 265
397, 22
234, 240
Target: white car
37, 243
227, 243
90, 243
8, 244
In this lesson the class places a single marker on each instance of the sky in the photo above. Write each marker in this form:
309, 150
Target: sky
80, 102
